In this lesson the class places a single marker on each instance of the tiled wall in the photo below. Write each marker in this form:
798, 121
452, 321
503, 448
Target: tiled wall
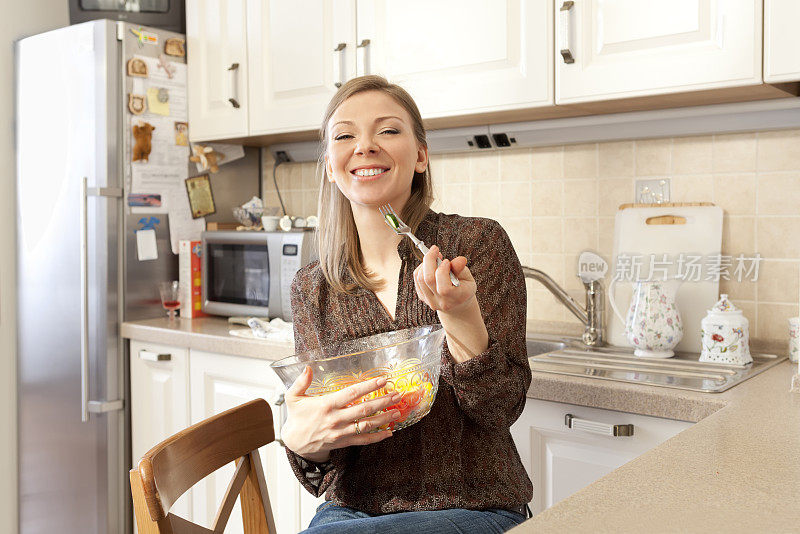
558, 201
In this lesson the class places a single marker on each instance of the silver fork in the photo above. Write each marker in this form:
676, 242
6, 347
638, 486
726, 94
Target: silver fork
394, 222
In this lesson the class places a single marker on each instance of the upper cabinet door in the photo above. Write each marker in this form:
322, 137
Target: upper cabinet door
607, 49
460, 56
781, 41
300, 51
217, 69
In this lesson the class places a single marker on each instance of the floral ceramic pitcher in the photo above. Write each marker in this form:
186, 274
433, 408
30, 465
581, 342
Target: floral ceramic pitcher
653, 325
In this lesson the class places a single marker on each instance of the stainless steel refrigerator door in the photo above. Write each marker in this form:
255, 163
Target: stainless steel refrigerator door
71, 471
142, 300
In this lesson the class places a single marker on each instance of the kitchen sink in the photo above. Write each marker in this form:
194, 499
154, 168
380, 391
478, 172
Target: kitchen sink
538, 346
568, 356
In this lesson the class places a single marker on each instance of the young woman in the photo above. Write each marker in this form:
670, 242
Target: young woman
457, 469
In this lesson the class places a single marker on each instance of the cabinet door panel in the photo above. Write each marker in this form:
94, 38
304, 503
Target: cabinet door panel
460, 56
628, 48
216, 40
560, 460
220, 382
781, 40
294, 64
159, 402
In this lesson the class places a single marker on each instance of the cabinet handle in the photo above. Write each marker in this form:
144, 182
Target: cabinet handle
596, 427
154, 356
564, 33
338, 54
363, 57
233, 86
280, 403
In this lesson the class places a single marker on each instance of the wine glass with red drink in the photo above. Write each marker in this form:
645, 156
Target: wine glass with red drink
170, 297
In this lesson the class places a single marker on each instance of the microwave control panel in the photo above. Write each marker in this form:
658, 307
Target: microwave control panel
290, 263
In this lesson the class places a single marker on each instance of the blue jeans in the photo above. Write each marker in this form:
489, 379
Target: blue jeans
331, 518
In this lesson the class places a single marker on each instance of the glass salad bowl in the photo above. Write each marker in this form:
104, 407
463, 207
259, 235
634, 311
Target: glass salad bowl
409, 359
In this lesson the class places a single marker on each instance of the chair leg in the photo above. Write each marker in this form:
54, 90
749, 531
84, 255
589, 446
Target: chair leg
143, 521
256, 510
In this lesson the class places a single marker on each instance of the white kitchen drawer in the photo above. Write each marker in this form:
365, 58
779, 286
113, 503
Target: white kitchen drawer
561, 460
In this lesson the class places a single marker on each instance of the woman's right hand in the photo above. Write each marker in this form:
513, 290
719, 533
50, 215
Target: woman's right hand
318, 424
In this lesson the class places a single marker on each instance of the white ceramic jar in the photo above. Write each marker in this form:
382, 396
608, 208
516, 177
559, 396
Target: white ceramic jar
725, 334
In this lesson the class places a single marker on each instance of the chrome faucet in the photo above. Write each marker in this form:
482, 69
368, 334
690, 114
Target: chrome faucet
591, 316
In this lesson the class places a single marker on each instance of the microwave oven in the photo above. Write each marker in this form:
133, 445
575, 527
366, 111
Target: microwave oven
165, 14
251, 273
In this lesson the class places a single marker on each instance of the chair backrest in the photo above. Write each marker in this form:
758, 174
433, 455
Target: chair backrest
180, 461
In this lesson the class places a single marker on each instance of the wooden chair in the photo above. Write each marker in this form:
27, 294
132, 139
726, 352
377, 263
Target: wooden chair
180, 461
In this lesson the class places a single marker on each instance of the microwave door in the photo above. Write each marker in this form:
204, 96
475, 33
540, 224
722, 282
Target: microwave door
237, 279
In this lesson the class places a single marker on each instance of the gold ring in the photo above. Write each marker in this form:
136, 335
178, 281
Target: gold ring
358, 430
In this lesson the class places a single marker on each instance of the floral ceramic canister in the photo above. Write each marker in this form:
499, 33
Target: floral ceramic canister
726, 334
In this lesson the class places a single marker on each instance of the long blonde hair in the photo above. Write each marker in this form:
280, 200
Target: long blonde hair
338, 243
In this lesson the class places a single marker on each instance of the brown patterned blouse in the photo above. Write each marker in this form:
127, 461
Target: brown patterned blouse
461, 454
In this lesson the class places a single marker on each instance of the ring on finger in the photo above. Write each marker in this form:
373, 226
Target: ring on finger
358, 430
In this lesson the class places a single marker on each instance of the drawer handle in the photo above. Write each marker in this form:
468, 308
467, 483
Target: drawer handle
151, 356
596, 427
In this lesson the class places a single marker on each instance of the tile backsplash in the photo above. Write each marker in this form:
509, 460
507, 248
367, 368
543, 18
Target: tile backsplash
557, 201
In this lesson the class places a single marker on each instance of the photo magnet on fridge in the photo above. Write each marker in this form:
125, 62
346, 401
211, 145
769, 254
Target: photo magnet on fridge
201, 200
181, 133
148, 200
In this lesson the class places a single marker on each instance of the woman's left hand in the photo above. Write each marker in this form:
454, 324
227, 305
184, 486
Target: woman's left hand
434, 287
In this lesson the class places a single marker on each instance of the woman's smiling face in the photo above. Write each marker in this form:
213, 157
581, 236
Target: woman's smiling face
372, 152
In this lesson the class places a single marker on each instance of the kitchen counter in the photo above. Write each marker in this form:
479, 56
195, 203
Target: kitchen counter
736, 470
209, 334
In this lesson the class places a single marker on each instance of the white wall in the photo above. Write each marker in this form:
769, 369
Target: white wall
19, 19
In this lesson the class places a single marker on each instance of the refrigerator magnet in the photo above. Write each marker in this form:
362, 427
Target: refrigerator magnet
181, 133
201, 200
143, 133
174, 47
158, 101
206, 157
144, 200
136, 104
137, 67
168, 67
146, 246
144, 37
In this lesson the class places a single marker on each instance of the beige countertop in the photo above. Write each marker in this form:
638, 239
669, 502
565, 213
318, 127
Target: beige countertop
209, 334
737, 470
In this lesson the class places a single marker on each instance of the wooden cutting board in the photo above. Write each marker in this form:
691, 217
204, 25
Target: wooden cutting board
689, 228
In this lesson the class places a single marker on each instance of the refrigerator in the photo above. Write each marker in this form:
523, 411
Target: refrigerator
78, 275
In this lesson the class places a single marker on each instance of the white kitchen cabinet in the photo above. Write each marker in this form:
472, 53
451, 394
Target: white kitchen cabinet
219, 382
781, 41
299, 52
460, 56
632, 48
159, 401
562, 460
453, 57
217, 66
